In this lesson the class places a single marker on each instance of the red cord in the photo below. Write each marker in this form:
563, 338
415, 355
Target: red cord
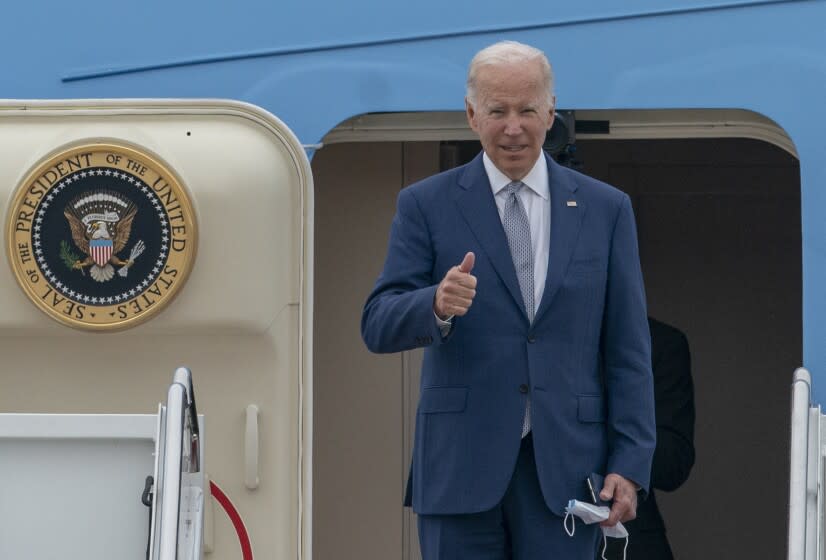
235, 517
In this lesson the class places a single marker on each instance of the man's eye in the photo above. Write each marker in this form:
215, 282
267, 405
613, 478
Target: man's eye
496, 111
528, 110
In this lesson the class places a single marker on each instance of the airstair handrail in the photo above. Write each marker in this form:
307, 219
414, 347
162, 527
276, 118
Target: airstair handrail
179, 468
184, 377
171, 487
798, 470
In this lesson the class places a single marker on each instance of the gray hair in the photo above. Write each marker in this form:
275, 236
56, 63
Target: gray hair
508, 52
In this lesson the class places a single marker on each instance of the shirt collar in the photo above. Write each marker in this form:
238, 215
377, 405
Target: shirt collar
536, 179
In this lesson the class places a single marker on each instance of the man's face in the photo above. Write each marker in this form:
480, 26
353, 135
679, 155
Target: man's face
511, 115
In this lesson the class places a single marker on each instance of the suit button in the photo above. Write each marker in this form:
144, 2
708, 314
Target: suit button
523, 388
531, 339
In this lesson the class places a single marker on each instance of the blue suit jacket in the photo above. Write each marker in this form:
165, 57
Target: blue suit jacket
585, 359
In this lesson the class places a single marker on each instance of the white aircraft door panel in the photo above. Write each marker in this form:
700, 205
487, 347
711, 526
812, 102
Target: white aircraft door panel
240, 320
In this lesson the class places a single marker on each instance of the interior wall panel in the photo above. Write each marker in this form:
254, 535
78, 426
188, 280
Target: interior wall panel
720, 243
357, 444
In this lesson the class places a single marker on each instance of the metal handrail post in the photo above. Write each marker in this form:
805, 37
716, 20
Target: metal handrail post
798, 469
171, 498
183, 376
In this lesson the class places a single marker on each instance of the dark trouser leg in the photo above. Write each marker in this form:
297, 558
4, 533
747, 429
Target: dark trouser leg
476, 536
521, 527
537, 533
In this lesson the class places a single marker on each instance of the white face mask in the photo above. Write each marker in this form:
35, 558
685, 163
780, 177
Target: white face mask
589, 514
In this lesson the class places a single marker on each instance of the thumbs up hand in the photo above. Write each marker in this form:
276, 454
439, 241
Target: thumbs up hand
467, 263
456, 291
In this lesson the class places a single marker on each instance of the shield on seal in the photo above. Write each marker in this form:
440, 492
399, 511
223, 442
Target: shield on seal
100, 250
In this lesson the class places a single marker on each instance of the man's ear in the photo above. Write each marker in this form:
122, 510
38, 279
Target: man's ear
470, 112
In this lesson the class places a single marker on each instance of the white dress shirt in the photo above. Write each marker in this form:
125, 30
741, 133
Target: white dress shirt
536, 199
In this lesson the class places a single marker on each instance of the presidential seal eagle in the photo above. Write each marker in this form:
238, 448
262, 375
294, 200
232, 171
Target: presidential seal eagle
101, 222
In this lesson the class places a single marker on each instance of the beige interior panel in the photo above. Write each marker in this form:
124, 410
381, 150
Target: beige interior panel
360, 455
357, 448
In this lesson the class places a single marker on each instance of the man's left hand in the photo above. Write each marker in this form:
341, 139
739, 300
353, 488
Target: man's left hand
624, 494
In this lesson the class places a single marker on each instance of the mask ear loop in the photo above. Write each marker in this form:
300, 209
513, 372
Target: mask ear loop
605, 547
573, 524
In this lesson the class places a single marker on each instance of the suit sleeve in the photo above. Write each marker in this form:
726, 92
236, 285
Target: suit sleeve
398, 314
674, 397
626, 357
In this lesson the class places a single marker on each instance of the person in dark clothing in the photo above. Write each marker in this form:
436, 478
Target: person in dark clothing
674, 454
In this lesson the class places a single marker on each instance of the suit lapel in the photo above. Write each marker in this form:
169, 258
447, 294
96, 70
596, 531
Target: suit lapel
567, 212
476, 204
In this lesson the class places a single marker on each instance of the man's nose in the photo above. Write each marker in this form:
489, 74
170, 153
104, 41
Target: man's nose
513, 126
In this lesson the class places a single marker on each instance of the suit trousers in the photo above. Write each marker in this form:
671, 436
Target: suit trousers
520, 527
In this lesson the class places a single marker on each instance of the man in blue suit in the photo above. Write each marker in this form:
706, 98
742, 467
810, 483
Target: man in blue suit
521, 280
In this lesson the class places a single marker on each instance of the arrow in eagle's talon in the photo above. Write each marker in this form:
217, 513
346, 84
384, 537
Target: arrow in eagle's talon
125, 268
137, 249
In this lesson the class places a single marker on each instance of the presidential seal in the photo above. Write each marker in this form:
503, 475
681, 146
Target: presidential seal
101, 236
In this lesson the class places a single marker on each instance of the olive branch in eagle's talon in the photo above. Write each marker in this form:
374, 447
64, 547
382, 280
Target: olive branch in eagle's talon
68, 257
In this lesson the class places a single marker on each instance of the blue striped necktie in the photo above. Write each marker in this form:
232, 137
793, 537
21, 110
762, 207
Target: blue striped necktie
518, 232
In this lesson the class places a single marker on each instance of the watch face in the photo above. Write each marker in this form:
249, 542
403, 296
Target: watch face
101, 236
